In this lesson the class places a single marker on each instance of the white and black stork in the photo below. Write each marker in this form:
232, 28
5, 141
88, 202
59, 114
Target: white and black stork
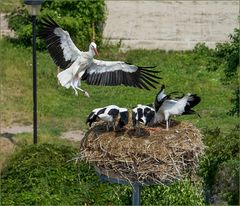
78, 65
109, 114
165, 106
142, 114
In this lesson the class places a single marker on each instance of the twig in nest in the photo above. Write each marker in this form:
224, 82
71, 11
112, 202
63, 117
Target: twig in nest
154, 158
174, 164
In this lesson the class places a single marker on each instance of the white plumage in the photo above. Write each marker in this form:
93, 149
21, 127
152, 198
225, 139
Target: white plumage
142, 114
109, 114
166, 107
80, 65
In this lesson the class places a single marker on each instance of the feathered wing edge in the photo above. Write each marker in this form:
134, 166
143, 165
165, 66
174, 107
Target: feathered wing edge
142, 78
53, 42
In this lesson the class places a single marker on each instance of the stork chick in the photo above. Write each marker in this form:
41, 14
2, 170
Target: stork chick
142, 114
109, 114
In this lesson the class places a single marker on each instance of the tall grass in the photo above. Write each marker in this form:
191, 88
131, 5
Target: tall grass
9, 5
59, 109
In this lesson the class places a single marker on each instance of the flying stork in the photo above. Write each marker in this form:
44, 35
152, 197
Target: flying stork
78, 65
165, 106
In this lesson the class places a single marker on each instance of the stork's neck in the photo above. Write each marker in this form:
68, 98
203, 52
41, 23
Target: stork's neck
91, 52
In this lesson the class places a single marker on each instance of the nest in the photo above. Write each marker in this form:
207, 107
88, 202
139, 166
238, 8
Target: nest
155, 156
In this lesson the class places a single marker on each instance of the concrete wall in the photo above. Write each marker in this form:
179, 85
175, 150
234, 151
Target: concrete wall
4, 30
170, 25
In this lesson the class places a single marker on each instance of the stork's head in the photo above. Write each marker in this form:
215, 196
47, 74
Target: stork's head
93, 48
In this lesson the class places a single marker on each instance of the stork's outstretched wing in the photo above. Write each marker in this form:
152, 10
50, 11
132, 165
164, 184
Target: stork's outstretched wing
59, 43
193, 100
117, 72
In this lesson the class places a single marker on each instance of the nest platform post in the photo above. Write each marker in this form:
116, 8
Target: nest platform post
136, 194
136, 186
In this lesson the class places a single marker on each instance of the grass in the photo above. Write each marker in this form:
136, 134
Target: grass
9, 5
60, 110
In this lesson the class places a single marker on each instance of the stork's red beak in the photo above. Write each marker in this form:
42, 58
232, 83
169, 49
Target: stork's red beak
95, 50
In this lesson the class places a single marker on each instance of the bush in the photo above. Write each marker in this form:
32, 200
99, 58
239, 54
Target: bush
178, 193
219, 167
83, 19
225, 56
42, 174
229, 51
235, 102
226, 187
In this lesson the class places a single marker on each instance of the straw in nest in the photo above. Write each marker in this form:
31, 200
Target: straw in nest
156, 156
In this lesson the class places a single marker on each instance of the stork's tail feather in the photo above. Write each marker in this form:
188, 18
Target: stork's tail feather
191, 111
192, 101
65, 78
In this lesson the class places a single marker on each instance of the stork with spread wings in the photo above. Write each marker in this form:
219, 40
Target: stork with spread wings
78, 65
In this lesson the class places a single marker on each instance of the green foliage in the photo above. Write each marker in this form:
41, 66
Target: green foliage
227, 182
179, 193
222, 155
47, 174
83, 19
235, 102
226, 57
44, 174
229, 51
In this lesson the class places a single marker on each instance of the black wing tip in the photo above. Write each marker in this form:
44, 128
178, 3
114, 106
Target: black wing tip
48, 23
49, 19
147, 67
47, 26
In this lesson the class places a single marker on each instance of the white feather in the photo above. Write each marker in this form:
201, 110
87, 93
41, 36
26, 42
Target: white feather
105, 117
65, 77
161, 95
171, 107
99, 66
70, 51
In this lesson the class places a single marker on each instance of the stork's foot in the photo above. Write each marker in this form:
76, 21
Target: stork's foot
86, 94
76, 93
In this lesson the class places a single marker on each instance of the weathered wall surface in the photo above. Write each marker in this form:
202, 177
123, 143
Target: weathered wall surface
4, 30
170, 25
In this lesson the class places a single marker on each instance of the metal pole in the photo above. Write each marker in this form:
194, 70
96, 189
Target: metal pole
34, 81
136, 201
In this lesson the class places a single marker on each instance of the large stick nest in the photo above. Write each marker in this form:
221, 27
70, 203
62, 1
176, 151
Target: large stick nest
154, 156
